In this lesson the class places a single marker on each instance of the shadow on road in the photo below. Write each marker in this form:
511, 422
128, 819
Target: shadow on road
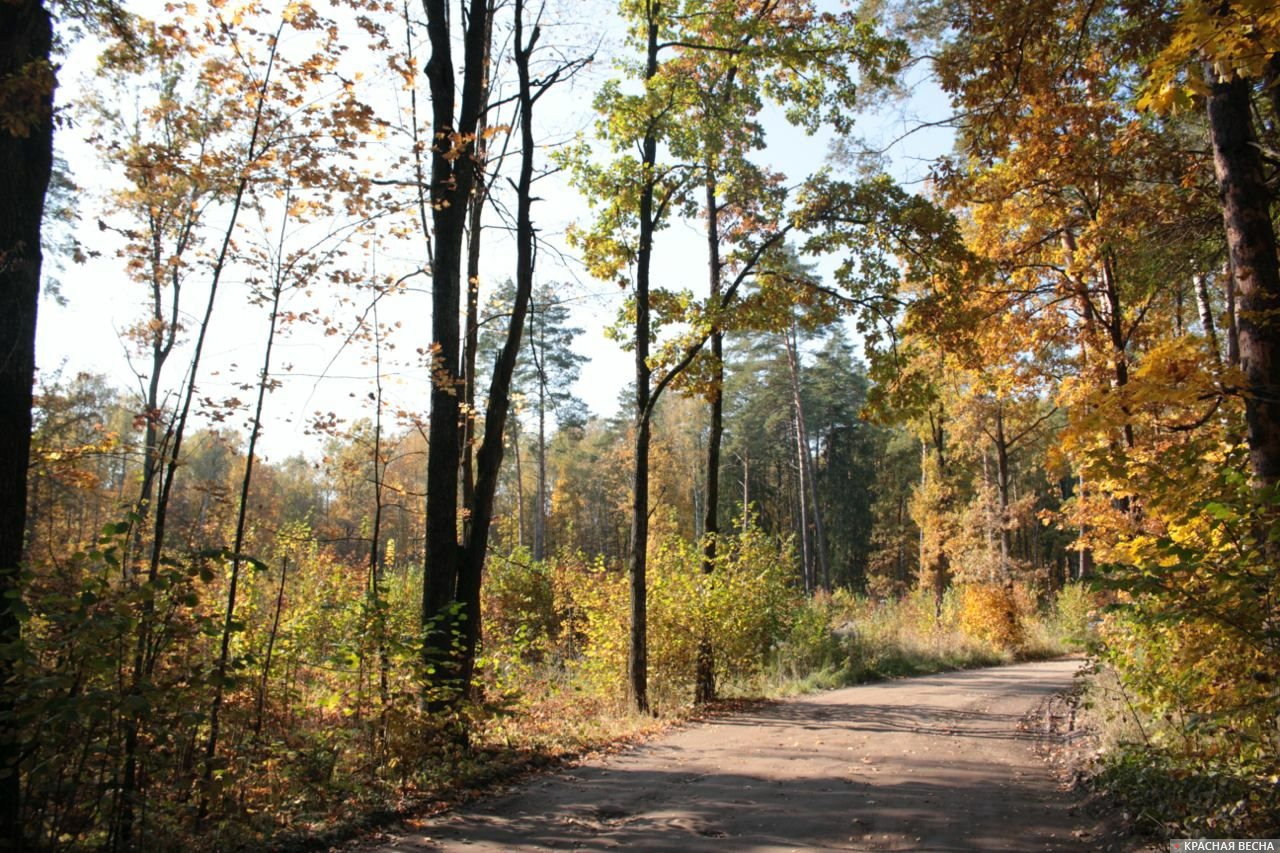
938, 763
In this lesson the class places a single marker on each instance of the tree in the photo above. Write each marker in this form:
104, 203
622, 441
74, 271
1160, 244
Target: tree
552, 368
451, 594
798, 57
546, 370
168, 150
1237, 47
1251, 243
452, 177
26, 157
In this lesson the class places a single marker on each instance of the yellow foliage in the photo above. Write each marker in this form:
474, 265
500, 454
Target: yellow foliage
740, 607
991, 613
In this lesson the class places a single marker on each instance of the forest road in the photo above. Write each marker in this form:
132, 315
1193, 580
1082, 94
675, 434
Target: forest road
938, 763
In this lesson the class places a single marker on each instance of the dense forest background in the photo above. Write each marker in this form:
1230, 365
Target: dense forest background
1028, 404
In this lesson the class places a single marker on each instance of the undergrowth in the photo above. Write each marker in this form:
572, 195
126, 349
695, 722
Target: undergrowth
544, 709
325, 731
1182, 775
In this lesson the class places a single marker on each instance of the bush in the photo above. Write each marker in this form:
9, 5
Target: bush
1073, 615
518, 606
990, 612
742, 607
814, 642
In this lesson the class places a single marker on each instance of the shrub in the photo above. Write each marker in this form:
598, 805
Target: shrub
1073, 614
518, 606
990, 612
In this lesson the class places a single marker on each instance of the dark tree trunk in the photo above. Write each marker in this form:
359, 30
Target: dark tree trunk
489, 457
453, 174
821, 569
540, 492
26, 161
705, 679
638, 648
937, 566
475, 216
515, 448
1002, 486
237, 547
1251, 242
271, 645
463, 615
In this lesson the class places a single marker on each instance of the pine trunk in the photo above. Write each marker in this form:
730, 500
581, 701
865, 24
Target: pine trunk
1251, 242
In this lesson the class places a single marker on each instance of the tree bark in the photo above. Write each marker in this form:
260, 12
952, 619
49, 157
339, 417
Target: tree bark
489, 457
1251, 242
540, 498
1002, 488
822, 570
242, 518
453, 174
802, 502
705, 678
1205, 308
638, 648
475, 216
515, 448
26, 162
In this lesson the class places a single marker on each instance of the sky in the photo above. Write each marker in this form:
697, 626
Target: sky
328, 373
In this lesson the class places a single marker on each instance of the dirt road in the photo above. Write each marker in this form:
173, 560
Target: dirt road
935, 763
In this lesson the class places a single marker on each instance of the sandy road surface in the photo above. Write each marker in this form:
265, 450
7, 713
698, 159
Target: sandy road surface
934, 763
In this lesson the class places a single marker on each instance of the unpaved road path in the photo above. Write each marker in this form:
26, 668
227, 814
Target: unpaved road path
935, 763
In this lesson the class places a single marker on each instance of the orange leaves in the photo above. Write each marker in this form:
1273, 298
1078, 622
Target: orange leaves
1234, 39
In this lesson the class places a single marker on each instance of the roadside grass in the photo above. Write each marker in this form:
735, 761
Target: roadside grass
1179, 775
541, 712
857, 640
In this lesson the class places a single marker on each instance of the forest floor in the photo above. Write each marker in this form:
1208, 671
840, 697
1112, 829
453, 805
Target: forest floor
955, 762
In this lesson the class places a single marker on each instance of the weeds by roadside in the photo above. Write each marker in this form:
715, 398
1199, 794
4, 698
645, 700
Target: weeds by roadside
1179, 776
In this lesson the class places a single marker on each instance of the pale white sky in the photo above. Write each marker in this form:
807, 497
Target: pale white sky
327, 377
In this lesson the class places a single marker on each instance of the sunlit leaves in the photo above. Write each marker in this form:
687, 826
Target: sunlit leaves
1233, 39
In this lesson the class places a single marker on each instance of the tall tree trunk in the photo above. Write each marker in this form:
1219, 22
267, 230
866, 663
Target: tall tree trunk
237, 547
515, 448
638, 647
1002, 489
822, 569
453, 174
475, 217
377, 605
537, 352
540, 498
937, 567
705, 677
26, 161
1251, 242
802, 500
164, 334
1201, 283
1119, 345
489, 457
